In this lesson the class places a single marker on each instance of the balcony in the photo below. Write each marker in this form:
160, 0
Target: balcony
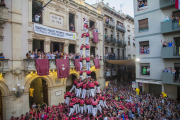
119, 42
4, 65
169, 27
121, 28
110, 57
170, 52
3, 14
110, 40
110, 24
164, 4
167, 78
30, 64
91, 34
92, 62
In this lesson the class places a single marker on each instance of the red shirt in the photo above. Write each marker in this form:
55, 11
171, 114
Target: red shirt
87, 86
94, 102
82, 102
81, 59
65, 96
84, 86
91, 85
74, 100
71, 104
81, 47
78, 84
88, 72
96, 83
77, 100
87, 47
87, 35
81, 72
87, 59
88, 102
75, 82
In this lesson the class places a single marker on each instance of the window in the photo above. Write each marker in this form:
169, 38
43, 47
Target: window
128, 40
91, 24
145, 68
133, 42
39, 45
106, 49
71, 22
92, 52
143, 25
72, 48
37, 15
144, 47
112, 50
56, 46
142, 5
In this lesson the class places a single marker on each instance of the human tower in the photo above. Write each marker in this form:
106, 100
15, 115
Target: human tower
85, 95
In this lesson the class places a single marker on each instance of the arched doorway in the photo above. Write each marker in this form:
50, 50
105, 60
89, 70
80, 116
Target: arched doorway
70, 81
38, 91
93, 75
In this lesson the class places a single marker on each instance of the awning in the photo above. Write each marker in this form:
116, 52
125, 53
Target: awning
122, 62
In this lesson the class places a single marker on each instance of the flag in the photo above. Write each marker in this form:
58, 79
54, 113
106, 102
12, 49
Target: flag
42, 66
95, 37
96, 63
76, 64
177, 4
62, 68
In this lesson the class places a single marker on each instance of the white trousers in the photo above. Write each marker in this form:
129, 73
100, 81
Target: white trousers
85, 108
94, 109
81, 51
82, 109
88, 93
75, 90
83, 93
87, 40
87, 53
105, 104
71, 111
82, 40
99, 108
77, 108
67, 100
92, 92
80, 65
81, 77
101, 103
98, 89
89, 109
88, 66
72, 88
78, 92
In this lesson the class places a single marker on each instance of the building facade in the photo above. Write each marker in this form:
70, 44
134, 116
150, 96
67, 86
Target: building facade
20, 29
119, 40
152, 30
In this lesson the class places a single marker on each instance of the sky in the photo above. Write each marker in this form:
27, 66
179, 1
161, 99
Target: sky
126, 9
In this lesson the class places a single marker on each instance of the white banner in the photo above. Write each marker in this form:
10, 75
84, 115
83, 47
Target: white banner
40, 29
133, 84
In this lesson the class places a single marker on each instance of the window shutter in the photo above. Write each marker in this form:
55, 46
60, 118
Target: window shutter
143, 23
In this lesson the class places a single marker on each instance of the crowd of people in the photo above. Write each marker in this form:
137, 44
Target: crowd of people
142, 5
173, 18
109, 55
2, 56
144, 50
115, 102
170, 70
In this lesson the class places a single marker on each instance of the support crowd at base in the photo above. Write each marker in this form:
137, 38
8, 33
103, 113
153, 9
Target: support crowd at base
116, 102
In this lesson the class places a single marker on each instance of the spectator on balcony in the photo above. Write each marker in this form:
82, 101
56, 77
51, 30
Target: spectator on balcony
106, 55
164, 43
105, 36
72, 27
28, 56
107, 20
172, 18
142, 50
174, 72
37, 17
97, 57
167, 18
148, 71
2, 56
144, 71
92, 55
145, 4
53, 55
142, 4
170, 44
2, 3
169, 70
32, 55
165, 70
147, 49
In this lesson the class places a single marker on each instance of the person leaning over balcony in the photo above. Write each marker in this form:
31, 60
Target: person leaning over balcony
37, 17
142, 50
72, 27
148, 71
107, 20
32, 55
28, 56
164, 43
170, 44
2, 56
165, 70
174, 72
2, 3
169, 70
144, 71
147, 49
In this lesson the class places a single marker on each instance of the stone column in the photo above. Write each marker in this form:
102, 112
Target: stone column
30, 42
66, 47
46, 46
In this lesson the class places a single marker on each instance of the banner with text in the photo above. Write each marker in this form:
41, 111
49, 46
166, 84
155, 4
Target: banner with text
40, 29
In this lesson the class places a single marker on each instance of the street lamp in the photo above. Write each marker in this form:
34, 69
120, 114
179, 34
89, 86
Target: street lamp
19, 92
